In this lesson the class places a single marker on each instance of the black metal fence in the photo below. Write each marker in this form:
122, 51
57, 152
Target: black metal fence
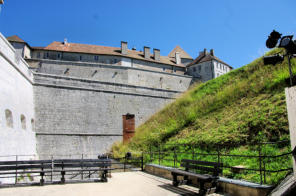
258, 164
18, 170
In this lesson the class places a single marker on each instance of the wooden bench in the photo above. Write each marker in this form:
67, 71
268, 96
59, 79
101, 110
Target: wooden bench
58, 165
207, 172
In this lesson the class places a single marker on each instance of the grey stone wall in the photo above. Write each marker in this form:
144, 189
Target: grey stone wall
204, 70
106, 59
114, 74
88, 120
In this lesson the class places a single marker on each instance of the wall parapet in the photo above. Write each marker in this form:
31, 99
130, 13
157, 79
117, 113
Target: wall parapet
9, 54
57, 81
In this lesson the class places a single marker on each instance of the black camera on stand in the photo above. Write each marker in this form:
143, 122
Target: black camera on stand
285, 42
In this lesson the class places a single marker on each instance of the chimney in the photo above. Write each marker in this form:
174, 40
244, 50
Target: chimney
65, 41
156, 53
123, 48
212, 52
146, 52
203, 53
178, 58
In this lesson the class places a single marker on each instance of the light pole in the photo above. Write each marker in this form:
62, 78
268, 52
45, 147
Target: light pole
285, 42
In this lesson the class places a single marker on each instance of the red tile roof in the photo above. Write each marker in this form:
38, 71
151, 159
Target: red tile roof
106, 50
15, 38
183, 54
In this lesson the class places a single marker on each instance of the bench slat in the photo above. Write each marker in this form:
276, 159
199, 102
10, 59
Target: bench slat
199, 176
19, 167
202, 162
201, 168
24, 162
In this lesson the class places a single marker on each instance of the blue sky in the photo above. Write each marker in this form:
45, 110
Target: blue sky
235, 29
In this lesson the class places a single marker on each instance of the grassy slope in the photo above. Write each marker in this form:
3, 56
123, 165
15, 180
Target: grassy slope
247, 104
244, 106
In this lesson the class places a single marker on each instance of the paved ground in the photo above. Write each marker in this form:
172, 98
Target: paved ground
123, 184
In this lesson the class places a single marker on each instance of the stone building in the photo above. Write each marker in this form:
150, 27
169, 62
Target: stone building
72, 99
207, 66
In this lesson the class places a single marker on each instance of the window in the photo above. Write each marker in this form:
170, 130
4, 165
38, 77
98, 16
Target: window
45, 56
163, 69
32, 124
23, 122
96, 58
115, 61
59, 55
199, 68
38, 54
9, 119
80, 58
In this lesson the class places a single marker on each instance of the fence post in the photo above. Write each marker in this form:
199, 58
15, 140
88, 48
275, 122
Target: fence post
158, 154
260, 163
16, 158
218, 151
264, 172
142, 162
124, 163
174, 156
52, 165
151, 158
193, 152
82, 166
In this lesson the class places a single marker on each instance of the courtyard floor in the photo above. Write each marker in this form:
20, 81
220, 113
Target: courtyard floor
123, 184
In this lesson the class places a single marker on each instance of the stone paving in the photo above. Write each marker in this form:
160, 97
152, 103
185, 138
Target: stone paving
123, 184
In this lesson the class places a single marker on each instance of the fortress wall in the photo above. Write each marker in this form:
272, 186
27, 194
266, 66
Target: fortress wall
114, 74
16, 90
75, 116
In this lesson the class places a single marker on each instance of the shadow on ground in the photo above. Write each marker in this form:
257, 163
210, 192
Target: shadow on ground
180, 190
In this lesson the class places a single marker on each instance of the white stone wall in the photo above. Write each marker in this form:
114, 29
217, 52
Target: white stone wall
220, 69
16, 92
291, 107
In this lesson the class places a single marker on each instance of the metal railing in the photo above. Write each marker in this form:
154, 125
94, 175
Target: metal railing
17, 176
262, 169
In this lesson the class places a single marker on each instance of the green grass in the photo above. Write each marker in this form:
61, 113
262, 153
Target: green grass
245, 106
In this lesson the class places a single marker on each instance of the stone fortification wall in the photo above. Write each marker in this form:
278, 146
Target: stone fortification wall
79, 116
114, 74
16, 105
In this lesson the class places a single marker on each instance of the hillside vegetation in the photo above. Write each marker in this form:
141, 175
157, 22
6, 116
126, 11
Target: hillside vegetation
243, 107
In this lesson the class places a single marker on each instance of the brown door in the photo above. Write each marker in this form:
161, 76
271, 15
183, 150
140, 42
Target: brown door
128, 121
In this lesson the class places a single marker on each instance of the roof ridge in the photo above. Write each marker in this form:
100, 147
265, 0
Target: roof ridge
183, 53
